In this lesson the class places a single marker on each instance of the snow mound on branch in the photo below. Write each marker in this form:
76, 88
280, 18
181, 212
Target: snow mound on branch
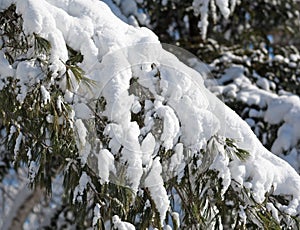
282, 110
114, 55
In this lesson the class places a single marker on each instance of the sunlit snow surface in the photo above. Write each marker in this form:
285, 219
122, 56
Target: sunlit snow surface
122, 60
282, 109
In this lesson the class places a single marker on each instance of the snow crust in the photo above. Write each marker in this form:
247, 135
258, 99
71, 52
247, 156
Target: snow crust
114, 54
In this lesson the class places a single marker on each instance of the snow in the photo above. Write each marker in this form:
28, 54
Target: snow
176, 218
59, 104
121, 225
136, 107
45, 95
282, 109
177, 163
27, 74
202, 7
155, 184
279, 58
6, 69
128, 6
171, 126
250, 122
81, 133
11, 132
164, 2
168, 227
263, 83
105, 165
293, 158
32, 170
220, 164
148, 148
115, 53
18, 143
131, 154
274, 211
223, 6
79, 190
97, 214
83, 111
130, 9
242, 214
255, 113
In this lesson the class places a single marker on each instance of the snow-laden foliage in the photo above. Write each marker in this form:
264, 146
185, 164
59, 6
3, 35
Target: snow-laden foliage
224, 20
133, 10
282, 109
265, 91
136, 133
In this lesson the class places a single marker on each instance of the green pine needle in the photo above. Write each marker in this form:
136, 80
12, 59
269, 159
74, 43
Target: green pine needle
41, 44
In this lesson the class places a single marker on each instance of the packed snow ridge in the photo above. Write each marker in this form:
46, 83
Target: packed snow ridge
115, 55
